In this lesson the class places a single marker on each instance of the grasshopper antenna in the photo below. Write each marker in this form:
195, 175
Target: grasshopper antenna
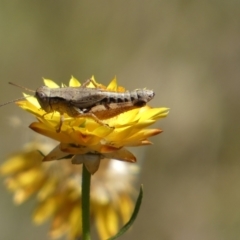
18, 99
27, 89
13, 101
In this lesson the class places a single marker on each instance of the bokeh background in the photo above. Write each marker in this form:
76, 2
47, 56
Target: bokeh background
188, 52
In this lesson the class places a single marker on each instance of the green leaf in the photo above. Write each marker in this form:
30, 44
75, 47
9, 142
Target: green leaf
133, 217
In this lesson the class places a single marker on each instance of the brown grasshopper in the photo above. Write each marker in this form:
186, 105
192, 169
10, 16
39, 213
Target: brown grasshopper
96, 103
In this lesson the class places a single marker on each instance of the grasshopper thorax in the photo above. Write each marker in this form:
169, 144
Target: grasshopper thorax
42, 94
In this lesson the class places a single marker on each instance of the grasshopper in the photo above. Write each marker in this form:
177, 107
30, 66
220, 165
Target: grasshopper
96, 103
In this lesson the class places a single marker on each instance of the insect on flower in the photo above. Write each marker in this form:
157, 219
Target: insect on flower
96, 103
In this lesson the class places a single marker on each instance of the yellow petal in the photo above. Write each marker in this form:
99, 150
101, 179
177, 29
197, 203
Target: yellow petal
126, 207
112, 220
112, 86
23, 194
30, 177
102, 131
74, 82
58, 227
152, 113
101, 223
60, 224
44, 210
18, 162
50, 83
30, 107
47, 188
75, 222
32, 100
50, 132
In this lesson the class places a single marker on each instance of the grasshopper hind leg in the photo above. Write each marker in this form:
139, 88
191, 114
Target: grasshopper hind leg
91, 115
95, 118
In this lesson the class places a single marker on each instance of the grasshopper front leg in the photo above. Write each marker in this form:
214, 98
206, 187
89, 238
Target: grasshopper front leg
60, 123
58, 128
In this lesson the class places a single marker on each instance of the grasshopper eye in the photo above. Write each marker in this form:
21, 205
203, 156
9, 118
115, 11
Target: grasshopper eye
41, 94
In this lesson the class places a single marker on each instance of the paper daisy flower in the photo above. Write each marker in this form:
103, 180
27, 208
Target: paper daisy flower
90, 123
84, 136
56, 187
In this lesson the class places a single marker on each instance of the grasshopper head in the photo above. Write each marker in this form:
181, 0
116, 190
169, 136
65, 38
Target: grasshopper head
42, 94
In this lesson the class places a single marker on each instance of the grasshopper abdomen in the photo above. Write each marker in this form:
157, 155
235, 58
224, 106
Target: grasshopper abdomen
116, 103
137, 97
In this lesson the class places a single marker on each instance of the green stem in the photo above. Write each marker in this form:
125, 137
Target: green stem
86, 180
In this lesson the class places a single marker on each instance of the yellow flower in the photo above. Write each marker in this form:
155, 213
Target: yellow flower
83, 139
56, 186
88, 141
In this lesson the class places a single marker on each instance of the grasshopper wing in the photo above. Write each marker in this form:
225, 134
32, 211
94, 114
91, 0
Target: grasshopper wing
88, 98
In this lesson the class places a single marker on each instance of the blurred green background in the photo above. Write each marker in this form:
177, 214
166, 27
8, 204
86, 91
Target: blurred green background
188, 52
